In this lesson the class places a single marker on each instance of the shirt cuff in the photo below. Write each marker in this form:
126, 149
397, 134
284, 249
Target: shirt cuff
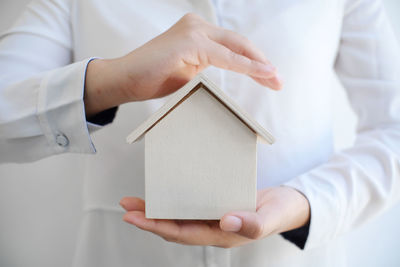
61, 111
323, 206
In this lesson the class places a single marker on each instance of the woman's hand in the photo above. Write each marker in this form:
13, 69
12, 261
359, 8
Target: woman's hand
167, 62
279, 209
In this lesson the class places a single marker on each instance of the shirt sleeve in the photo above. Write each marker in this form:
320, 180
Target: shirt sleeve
360, 183
41, 92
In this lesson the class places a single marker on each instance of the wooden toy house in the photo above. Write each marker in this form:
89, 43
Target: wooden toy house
200, 155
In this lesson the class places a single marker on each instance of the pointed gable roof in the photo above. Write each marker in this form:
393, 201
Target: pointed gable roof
200, 81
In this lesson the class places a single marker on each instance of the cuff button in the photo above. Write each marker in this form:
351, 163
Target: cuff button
62, 140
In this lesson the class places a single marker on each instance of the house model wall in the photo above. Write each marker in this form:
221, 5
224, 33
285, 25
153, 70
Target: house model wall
200, 155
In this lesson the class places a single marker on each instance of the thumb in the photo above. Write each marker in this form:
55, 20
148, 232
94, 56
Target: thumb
247, 224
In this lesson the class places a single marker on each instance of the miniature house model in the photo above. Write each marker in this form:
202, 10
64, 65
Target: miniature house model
200, 155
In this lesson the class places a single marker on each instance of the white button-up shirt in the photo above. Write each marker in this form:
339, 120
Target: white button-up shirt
43, 59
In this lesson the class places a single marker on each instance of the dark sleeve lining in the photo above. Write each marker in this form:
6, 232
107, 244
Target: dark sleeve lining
105, 117
298, 236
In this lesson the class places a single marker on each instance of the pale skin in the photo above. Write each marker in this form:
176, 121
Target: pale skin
160, 67
279, 209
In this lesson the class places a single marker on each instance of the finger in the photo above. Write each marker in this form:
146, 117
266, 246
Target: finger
222, 57
206, 233
185, 232
275, 83
246, 224
190, 233
237, 43
167, 229
241, 45
132, 203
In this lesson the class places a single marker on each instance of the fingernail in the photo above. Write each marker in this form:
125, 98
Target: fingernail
269, 68
279, 78
232, 224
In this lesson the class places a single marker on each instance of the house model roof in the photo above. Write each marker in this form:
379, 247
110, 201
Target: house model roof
200, 81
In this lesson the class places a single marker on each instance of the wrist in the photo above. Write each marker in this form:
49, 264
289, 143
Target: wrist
298, 210
102, 88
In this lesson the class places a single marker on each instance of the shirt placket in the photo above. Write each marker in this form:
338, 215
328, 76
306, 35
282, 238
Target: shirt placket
214, 256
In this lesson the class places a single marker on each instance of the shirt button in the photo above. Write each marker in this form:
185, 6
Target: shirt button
62, 140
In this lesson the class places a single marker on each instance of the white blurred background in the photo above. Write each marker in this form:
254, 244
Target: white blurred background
40, 203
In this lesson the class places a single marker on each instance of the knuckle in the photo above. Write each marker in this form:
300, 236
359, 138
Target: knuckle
188, 17
191, 20
238, 60
192, 25
232, 56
